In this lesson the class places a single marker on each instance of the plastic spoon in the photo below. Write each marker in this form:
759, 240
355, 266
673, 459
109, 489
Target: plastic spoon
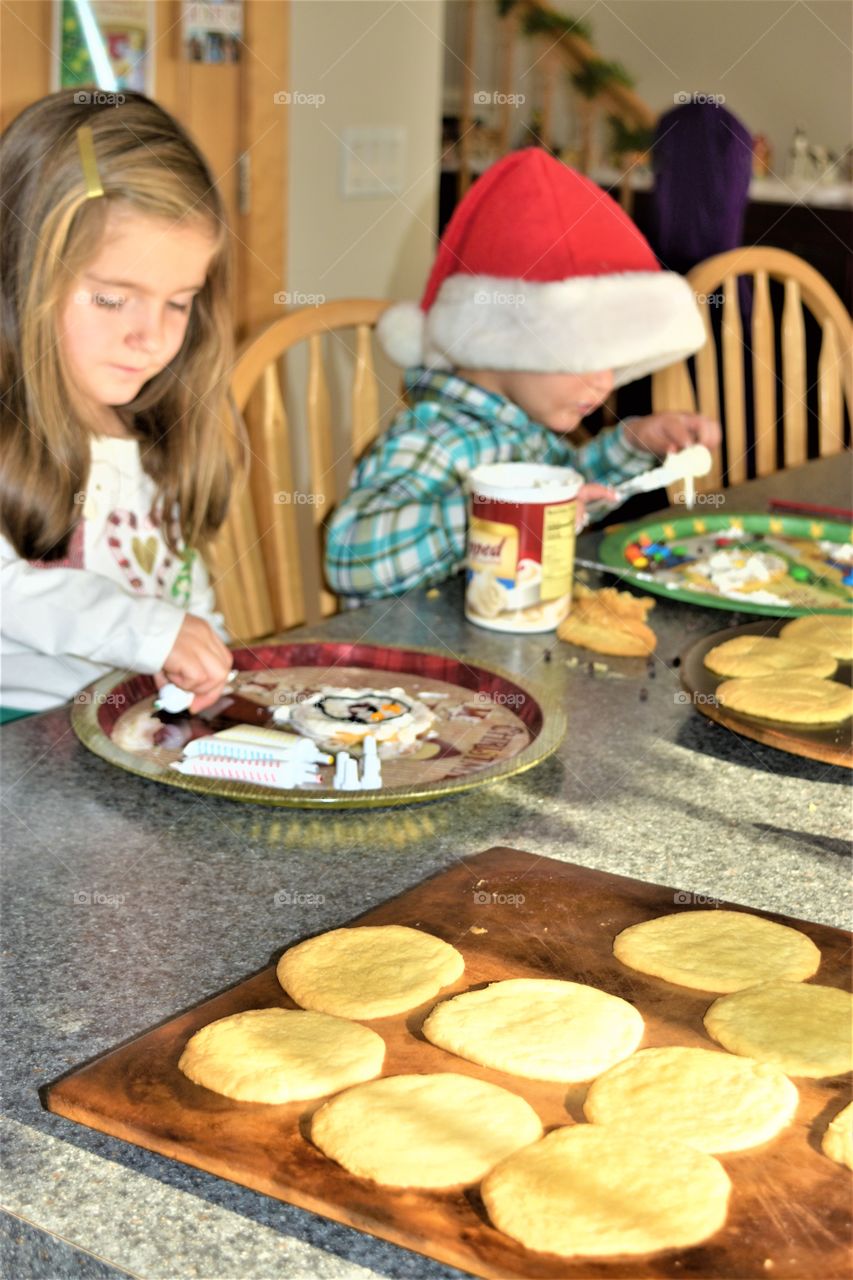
685, 465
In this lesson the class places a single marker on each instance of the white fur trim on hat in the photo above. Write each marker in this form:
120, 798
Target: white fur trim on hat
632, 322
400, 329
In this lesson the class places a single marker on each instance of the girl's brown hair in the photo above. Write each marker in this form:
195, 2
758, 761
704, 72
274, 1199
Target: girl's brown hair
49, 230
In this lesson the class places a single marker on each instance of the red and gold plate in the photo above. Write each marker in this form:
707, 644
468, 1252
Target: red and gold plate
489, 725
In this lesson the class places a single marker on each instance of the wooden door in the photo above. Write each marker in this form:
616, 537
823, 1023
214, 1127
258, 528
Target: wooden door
229, 108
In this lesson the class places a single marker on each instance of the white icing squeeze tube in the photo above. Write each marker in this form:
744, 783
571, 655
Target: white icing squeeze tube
294, 750
266, 773
255, 735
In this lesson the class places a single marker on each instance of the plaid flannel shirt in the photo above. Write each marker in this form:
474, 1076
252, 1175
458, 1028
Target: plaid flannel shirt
403, 522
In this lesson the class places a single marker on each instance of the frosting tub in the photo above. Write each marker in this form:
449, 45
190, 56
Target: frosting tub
521, 545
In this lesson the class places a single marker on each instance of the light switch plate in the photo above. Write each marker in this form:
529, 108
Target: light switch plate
373, 162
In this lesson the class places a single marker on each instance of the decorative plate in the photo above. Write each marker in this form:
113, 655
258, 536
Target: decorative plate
488, 724
808, 563
831, 743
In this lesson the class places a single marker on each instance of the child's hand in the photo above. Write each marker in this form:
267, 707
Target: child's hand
198, 662
663, 433
589, 493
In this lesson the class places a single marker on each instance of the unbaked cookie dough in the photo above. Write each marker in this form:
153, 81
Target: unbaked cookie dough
424, 1130
803, 1029
371, 971
540, 1028
597, 1190
828, 632
716, 950
710, 1100
794, 699
768, 656
281, 1055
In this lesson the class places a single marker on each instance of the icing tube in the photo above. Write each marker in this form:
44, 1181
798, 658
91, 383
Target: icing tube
351, 782
173, 699
341, 760
301, 748
371, 769
265, 773
235, 750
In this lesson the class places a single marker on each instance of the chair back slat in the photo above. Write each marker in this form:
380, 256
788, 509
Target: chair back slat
220, 561
829, 396
268, 556
273, 491
709, 398
365, 394
733, 389
803, 287
763, 376
237, 572
673, 386
319, 417
793, 376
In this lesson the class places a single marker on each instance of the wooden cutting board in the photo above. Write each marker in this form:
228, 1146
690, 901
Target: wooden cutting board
512, 914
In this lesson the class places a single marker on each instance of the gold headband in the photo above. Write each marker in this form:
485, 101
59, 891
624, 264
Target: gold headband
86, 147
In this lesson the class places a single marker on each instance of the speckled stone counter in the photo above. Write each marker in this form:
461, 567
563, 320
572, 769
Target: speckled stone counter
126, 901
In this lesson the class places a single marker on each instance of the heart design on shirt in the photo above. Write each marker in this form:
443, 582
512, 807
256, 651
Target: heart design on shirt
132, 536
145, 552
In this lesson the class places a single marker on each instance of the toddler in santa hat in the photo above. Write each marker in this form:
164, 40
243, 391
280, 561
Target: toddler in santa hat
543, 297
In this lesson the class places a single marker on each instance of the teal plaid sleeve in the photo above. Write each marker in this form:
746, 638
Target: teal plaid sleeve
609, 458
403, 523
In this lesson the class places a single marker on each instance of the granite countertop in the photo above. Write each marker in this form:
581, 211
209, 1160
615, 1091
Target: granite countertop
126, 901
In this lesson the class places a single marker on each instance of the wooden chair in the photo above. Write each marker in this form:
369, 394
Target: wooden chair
267, 562
673, 388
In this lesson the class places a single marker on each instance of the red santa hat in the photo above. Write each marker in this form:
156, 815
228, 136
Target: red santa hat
540, 270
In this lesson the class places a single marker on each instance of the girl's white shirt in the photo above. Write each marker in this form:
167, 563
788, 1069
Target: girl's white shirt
118, 601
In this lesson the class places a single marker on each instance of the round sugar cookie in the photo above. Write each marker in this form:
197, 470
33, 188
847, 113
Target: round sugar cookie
831, 633
711, 1101
594, 1190
371, 971
281, 1055
716, 950
768, 656
801, 1028
539, 1028
424, 1131
793, 699
838, 1139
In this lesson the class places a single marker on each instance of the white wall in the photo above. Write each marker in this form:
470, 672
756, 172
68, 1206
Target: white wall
375, 64
777, 63
378, 64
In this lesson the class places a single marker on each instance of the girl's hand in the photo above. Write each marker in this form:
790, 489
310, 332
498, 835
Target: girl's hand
198, 662
663, 433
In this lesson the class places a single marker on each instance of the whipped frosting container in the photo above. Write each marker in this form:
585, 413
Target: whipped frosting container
521, 545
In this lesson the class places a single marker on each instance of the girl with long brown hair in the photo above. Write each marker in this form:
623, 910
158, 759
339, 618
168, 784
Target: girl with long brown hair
114, 357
